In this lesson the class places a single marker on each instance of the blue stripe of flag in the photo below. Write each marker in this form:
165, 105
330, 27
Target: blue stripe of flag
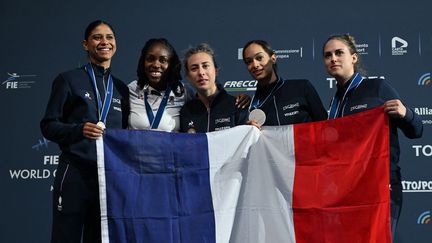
158, 187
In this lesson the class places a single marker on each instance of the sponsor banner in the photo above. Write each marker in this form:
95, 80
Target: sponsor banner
425, 79
422, 150
399, 46
18, 81
240, 85
425, 113
48, 170
280, 53
332, 81
362, 48
424, 217
417, 186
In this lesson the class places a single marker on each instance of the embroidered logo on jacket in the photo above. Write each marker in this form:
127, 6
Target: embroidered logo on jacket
358, 107
87, 95
290, 106
223, 120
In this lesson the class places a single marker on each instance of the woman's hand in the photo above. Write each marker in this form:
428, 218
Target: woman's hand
253, 122
243, 101
92, 131
395, 108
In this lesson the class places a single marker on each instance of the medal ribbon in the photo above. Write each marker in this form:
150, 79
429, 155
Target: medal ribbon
336, 103
256, 103
154, 121
103, 108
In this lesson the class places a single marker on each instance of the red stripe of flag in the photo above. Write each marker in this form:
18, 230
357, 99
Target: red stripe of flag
341, 184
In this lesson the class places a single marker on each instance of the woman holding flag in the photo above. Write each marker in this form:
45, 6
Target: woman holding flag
278, 101
356, 93
82, 103
213, 109
158, 95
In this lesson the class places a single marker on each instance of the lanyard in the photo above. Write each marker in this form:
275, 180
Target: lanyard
103, 108
256, 103
154, 121
336, 103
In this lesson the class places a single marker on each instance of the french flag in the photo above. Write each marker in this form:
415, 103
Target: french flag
315, 182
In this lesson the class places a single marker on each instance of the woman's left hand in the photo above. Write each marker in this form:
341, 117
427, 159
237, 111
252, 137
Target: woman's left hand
253, 122
243, 101
395, 108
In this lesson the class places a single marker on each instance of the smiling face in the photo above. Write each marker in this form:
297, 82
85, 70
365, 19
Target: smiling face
201, 71
339, 61
101, 45
259, 63
156, 64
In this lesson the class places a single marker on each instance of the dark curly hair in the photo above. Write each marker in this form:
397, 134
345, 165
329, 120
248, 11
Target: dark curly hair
173, 76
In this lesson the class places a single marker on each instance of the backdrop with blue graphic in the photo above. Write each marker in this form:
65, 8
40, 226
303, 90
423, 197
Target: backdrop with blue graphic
41, 39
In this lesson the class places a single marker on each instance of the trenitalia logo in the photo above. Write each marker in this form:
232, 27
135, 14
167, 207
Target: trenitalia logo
398, 46
240, 86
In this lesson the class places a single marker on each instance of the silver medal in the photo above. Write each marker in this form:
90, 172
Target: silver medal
101, 125
258, 115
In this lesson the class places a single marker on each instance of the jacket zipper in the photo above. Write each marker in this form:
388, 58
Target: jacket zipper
59, 206
277, 113
208, 119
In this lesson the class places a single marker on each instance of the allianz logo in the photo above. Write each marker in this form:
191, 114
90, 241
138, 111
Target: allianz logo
423, 111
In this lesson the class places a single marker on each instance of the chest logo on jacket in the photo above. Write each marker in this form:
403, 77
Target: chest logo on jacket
87, 95
290, 110
291, 106
191, 127
358, 107
223, 120
116, 100
292, 113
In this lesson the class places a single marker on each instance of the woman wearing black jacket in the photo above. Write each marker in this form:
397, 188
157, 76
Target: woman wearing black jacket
82, 103
212, 109
284, 102
356, 93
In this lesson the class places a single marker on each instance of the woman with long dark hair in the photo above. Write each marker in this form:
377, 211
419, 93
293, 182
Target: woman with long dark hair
82, 103
282, 101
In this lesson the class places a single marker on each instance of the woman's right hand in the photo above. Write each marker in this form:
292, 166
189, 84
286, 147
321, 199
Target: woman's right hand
92, 131
253, 122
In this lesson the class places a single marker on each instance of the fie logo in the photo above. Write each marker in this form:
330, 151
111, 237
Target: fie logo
11, 82
42, 143
14, 81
